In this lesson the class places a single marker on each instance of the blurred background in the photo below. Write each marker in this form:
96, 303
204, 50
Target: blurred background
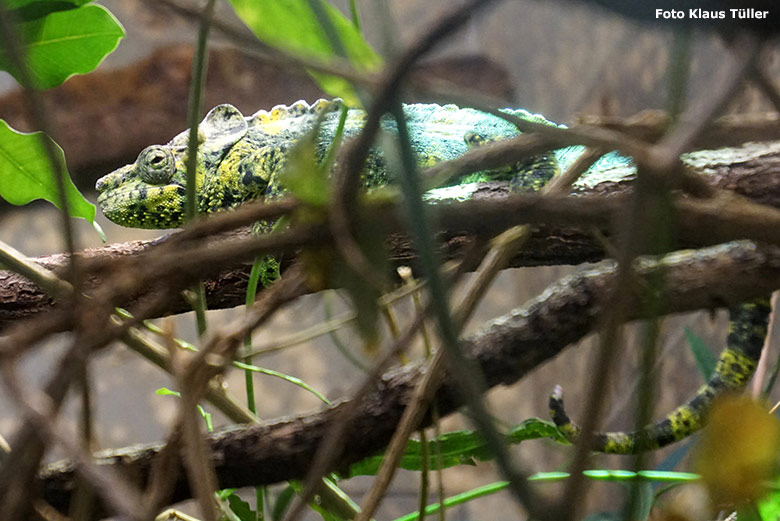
562, 59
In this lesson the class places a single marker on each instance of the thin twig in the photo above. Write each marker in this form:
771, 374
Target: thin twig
41, 411
664, 157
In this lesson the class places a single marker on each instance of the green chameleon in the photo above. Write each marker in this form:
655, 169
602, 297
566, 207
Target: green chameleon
241, 159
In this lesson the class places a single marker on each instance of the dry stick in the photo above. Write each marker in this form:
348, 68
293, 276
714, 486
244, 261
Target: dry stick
34, 101
221, 399
504, 247
347, 178
330, 448
41, 411
197, 464
764, 82
726, 221
15, 260
56, 389
163, 473
663, 155
759, 75
18, 470
195, 376
760, 374
734, 272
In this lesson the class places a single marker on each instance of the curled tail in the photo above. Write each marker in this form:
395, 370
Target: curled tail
736, 364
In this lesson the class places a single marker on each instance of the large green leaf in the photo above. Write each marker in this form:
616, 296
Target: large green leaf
63, 43
293, 26
49, 5
25, 173
27, 10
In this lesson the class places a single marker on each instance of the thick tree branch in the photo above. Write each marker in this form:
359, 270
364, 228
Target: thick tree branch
750, 171
505, 349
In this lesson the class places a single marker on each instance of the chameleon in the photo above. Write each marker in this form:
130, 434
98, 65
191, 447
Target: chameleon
242, 159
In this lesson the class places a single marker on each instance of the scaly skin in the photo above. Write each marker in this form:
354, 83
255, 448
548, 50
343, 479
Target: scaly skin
736, 364
240, 159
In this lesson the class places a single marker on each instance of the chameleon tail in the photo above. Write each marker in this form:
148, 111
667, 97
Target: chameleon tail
735, 366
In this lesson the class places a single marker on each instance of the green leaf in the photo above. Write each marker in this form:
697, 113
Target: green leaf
206, 418
27, 10
293, 380
282, 503
769, 506
164, 391
50, 5
534, 428
668, 476
456, 448
63, 43
458, 499
241, 508
302, 176
316, 505
26, 175
705, 360
292, 25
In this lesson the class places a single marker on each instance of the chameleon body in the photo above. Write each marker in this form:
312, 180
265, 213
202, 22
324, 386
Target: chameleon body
241, 159
735, 366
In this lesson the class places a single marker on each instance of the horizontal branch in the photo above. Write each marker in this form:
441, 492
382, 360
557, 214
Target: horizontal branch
505, 349
563, 237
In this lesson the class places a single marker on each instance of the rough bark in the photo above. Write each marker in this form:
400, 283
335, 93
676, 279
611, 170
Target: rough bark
753, 173
505, 349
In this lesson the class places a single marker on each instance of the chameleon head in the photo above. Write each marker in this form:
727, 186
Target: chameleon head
150, 193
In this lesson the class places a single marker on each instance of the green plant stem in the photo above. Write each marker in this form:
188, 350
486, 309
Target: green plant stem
251, 294
16, 261
424, 474
458, 499
193, 117
471, 384
354, 14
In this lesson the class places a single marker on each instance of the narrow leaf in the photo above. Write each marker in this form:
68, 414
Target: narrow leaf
705, 360
241, 508
456, 448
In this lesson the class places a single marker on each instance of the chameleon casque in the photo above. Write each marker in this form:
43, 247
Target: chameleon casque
241, 158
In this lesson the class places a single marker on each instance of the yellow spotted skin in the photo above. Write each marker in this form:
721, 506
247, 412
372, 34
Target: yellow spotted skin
735, 366
240, 158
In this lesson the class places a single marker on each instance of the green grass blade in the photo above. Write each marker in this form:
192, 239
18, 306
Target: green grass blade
458, 499
705, 360
293, 380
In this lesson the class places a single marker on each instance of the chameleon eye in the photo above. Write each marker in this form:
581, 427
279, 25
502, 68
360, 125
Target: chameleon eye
156, 165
